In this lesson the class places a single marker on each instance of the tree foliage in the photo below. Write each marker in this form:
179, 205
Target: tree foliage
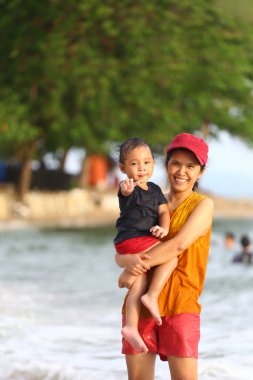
82, 73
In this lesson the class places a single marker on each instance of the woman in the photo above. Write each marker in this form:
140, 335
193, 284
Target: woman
176, 340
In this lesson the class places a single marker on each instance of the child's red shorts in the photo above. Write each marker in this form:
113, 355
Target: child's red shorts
135, 245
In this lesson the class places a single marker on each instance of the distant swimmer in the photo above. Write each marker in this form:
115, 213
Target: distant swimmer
229, 240
246, 255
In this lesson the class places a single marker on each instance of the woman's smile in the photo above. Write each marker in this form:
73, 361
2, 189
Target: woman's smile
183, 170
181, 181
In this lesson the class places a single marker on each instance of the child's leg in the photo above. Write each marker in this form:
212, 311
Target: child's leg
160, 276
133, 304
126, 279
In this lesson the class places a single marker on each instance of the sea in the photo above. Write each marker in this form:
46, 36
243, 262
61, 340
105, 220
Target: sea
60, 307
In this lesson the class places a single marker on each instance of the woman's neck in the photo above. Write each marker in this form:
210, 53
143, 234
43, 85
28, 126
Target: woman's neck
175, 199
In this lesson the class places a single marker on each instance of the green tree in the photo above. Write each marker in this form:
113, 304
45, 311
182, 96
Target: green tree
88, 72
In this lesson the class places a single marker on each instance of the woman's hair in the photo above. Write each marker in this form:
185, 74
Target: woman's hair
129, 145
202, 167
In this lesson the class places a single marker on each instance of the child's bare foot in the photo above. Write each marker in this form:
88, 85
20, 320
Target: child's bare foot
152, 305
133, 337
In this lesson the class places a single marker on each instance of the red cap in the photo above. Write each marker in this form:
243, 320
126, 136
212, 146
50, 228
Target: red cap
193, 143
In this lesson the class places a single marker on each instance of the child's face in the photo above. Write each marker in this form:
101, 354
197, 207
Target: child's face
139, 164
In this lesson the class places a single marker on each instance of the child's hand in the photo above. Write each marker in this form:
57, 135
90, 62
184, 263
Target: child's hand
127, 186
158, 231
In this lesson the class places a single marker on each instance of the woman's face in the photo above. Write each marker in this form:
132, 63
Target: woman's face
183, 170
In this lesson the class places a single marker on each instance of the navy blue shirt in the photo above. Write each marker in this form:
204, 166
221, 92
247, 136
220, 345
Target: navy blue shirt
138, 212
246, 258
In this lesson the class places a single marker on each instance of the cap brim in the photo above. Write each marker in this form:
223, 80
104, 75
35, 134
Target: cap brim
187, 148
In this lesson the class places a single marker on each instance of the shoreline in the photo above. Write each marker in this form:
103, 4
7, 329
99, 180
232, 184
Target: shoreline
232, 208
91, 209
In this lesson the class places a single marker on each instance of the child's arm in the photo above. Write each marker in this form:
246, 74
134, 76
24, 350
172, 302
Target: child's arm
164, 222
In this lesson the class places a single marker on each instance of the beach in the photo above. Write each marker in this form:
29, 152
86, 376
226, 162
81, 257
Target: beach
88, 208
61, 307
232, 208
60, 304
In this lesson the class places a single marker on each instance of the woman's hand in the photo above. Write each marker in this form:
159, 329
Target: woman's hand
135, 264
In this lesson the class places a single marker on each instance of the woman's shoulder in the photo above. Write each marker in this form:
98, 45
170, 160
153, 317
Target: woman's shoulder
194, 199
200, 203
198, 197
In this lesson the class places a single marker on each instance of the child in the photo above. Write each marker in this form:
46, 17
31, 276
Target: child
144, 217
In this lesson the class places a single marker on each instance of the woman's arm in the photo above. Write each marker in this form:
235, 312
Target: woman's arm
135, 265
196, 225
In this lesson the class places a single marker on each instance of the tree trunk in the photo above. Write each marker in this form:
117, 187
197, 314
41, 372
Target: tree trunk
84, 174
205, 129
26, 154
63, 159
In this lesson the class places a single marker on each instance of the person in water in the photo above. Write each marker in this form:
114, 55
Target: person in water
144, 217
229, 240
176, 339
245, 256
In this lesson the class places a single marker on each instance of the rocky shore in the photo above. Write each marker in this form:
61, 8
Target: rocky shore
232, 208
86, 208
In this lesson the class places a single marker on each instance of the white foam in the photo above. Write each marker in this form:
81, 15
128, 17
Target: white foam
60, 312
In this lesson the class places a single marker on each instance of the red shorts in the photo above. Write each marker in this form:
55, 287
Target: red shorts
177, 336
135, 245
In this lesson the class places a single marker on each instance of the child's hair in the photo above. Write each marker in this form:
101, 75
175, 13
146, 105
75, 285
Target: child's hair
129, 145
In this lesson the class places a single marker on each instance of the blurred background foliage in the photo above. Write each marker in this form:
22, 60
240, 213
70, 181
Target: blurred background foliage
89, 72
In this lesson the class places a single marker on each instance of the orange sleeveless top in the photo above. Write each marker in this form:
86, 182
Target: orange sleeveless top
182, 291
183, 288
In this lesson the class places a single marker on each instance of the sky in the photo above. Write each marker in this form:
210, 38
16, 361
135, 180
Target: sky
229, 171
230, 167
